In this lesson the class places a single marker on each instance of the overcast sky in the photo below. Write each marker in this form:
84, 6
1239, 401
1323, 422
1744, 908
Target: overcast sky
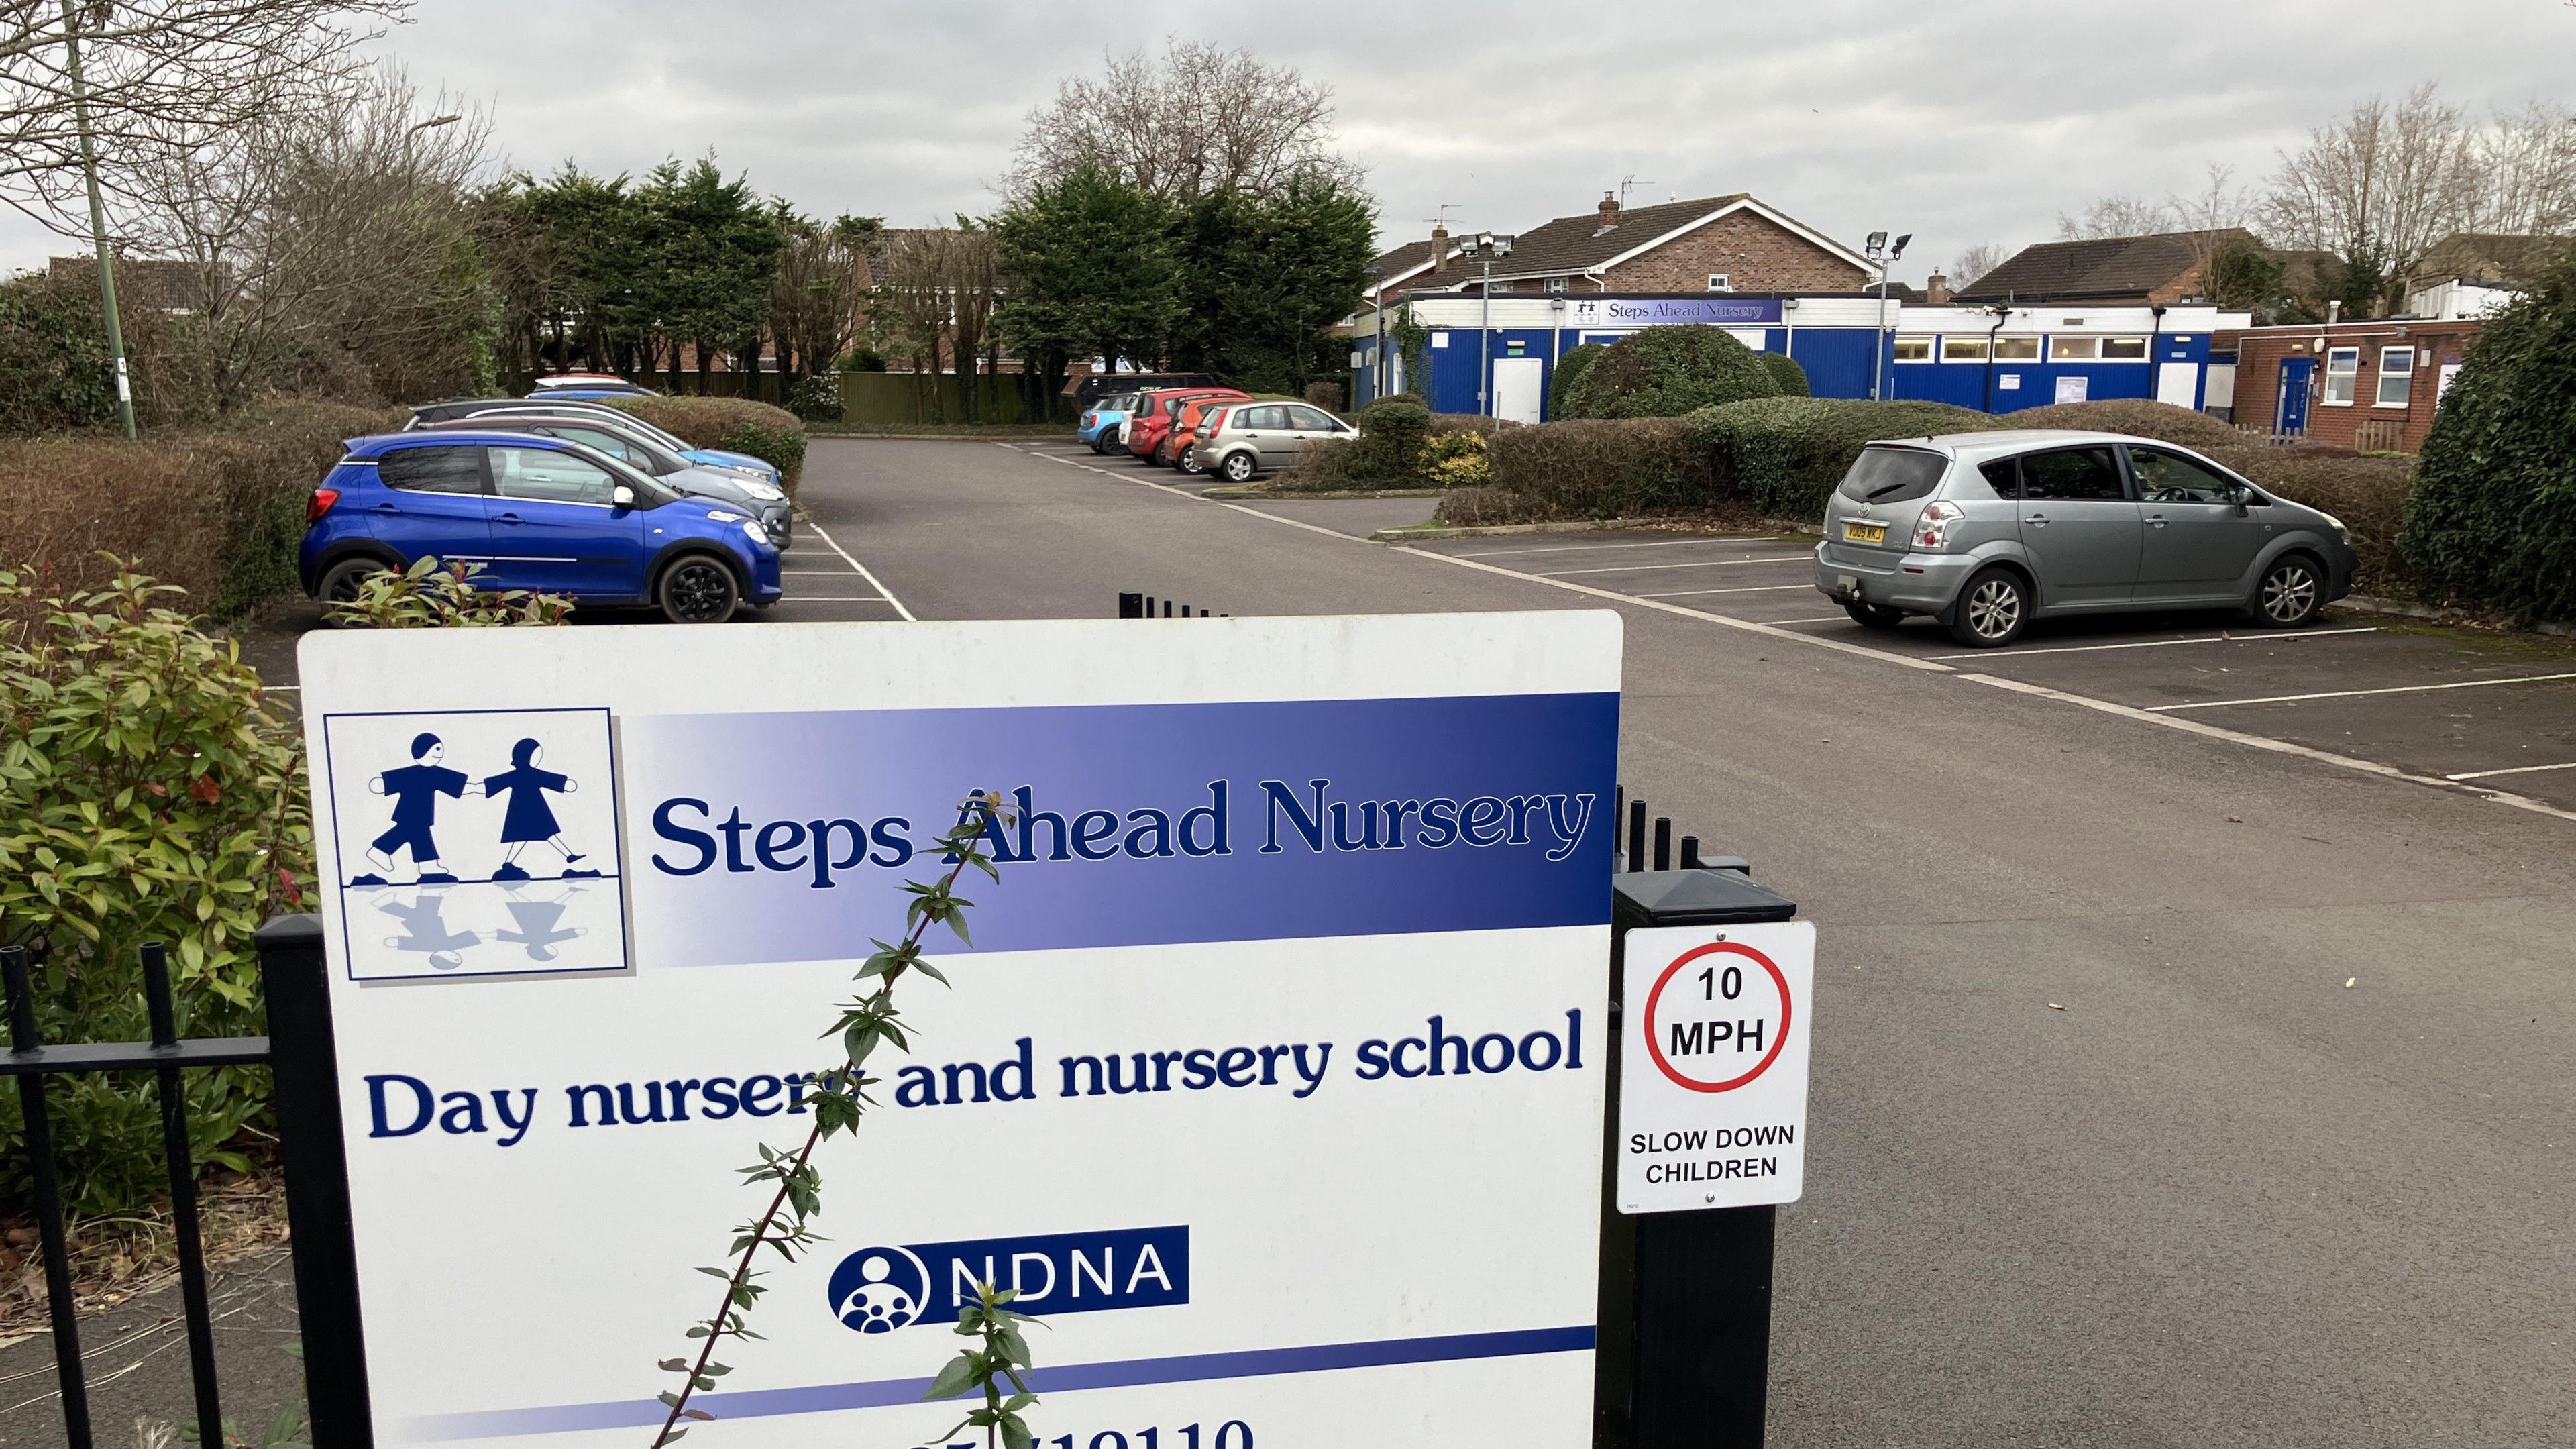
1963, 121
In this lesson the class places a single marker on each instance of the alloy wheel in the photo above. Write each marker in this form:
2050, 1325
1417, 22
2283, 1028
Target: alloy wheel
2289, 592
1238, 468
1994, 608
699, 591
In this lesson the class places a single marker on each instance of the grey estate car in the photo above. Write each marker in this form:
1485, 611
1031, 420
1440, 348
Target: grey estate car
1987, 531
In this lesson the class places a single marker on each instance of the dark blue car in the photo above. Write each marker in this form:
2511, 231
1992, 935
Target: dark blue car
538, 513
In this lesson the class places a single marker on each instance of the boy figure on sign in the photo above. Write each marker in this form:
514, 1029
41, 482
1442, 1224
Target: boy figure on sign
415, 789
530, 818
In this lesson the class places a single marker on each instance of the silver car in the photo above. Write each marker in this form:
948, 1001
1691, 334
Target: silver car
1986, 531
1256, 437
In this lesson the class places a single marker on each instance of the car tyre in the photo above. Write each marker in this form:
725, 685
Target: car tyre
1237, 467
1874, 616
1188, 462
2290, 593
1992, 610
340, 584
697, 589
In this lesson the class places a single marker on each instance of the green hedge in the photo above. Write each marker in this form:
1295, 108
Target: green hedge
1786, 374
1781, 456
1601, 468
1389, 453
1666, 372
2137, 417
735, 425
1569, 371
2493, 518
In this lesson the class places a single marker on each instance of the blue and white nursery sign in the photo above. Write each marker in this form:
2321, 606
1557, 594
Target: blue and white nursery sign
1286, 1017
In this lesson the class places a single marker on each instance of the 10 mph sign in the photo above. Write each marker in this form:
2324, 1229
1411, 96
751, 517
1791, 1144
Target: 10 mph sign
1713, 1065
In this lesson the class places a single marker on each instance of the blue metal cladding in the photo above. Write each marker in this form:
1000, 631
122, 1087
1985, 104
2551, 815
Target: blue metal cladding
1836, 360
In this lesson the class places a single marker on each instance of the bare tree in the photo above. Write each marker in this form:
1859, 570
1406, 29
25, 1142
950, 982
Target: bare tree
1195, 119
1974, 262
814, 303
2116, 215
2380, 186
331, 242
148, 66
2527, 161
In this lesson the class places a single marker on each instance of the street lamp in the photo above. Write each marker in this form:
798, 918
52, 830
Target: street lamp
1878, 364
1488, 247
1377, 358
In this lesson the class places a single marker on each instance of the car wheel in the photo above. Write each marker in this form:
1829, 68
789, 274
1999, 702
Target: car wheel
340, 583
2292, 591
1237, 467
1875, 616
1188, 462
697, 590
1991, 610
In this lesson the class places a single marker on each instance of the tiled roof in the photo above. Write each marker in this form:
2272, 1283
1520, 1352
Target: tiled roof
1573, 243
2101, 267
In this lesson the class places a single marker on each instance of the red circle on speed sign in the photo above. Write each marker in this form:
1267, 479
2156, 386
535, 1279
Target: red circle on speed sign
1654, 1003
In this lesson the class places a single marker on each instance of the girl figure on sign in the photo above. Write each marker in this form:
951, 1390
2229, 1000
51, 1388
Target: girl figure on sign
530, 818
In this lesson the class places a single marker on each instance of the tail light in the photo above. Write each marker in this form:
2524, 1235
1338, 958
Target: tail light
320, 503
1932, 530
1089, 418
1215, 423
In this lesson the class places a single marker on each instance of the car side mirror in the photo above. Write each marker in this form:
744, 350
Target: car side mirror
622, 496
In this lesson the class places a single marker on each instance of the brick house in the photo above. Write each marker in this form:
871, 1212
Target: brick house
1713, 244
2370, 384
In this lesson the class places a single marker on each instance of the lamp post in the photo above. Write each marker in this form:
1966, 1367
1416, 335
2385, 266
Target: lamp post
1878, 364
1377, 357
1488, 247
97, 221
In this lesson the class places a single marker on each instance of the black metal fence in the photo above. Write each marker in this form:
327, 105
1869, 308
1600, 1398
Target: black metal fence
300, 1054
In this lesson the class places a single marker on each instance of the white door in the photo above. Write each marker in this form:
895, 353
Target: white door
2178, 383
1518, 382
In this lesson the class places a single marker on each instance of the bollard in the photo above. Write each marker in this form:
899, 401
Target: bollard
1683, 1355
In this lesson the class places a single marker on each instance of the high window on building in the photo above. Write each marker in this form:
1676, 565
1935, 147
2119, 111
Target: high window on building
2124, 349
1914, 349
1963, 349
2343, 374
1556, 284
2016, 349
1718, 282
2396, 376
2074, 349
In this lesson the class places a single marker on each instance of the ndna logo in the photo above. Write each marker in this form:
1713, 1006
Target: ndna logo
878, 1290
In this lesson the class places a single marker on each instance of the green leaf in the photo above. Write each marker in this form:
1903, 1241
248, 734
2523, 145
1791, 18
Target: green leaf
956, 1377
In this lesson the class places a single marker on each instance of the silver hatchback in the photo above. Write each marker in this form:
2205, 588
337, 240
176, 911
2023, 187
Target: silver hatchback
1985, 532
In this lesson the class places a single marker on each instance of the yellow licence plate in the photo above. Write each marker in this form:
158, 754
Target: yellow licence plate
1865, 532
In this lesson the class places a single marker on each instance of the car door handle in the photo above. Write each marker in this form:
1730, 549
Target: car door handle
507, 518
2037, 519
387, 508
2155, 520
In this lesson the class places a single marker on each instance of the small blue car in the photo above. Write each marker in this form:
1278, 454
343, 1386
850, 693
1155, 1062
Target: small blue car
538, 513
1105, 421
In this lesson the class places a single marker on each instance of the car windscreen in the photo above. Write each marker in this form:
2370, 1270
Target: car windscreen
1892, 475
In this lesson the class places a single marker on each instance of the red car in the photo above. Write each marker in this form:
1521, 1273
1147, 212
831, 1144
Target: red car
1149, 428
1195, 419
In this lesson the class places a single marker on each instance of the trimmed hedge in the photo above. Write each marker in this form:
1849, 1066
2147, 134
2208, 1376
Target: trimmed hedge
736, 425
2493, 517
1666, 372
1601, 468
1569, 371
2368, 494
2163, 422
1786, 374
1781, 456
1389, 453
218, 511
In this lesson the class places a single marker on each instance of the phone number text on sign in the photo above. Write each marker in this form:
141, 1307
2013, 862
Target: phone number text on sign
1713, 1069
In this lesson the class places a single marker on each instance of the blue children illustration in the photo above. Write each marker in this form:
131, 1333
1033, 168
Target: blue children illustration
530, 818
414, 789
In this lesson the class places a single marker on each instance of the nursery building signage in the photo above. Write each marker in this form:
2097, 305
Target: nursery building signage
1272, 1081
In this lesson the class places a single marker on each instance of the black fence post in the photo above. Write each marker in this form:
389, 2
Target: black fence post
182, 1161
49, 1202
317, 1180
1683, 1353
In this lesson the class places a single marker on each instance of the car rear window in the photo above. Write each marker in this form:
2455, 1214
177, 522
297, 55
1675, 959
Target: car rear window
1892, 475
432, 470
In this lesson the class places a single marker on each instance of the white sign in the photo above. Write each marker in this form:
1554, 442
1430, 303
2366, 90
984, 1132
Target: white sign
2008, 382
1274, 1082
1713, 1065
2072, 389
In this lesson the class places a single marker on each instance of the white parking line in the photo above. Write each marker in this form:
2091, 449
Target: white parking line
862, 569
1825, 619
1586, 547
1693, 593
2516, 770
835, 599
1706, 563
2352, 693
2160, 643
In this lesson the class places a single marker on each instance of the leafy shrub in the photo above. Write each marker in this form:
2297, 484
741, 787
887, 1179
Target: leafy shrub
2140, 417
1604, 468
1459, 460
1781, 456
1481, 508
435, 594
1326, 395
55, 357
2493, 516
217, 511
1665, 372
733, 424
1389, 451
1569, 371
1786, 374
817, 399
1322, 466
150, 790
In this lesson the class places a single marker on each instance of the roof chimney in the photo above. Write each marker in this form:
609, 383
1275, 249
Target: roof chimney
1936, 289
1439, 246
1609, 210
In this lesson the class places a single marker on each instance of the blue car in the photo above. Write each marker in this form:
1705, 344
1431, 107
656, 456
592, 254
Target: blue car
1105, 421
538, 513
